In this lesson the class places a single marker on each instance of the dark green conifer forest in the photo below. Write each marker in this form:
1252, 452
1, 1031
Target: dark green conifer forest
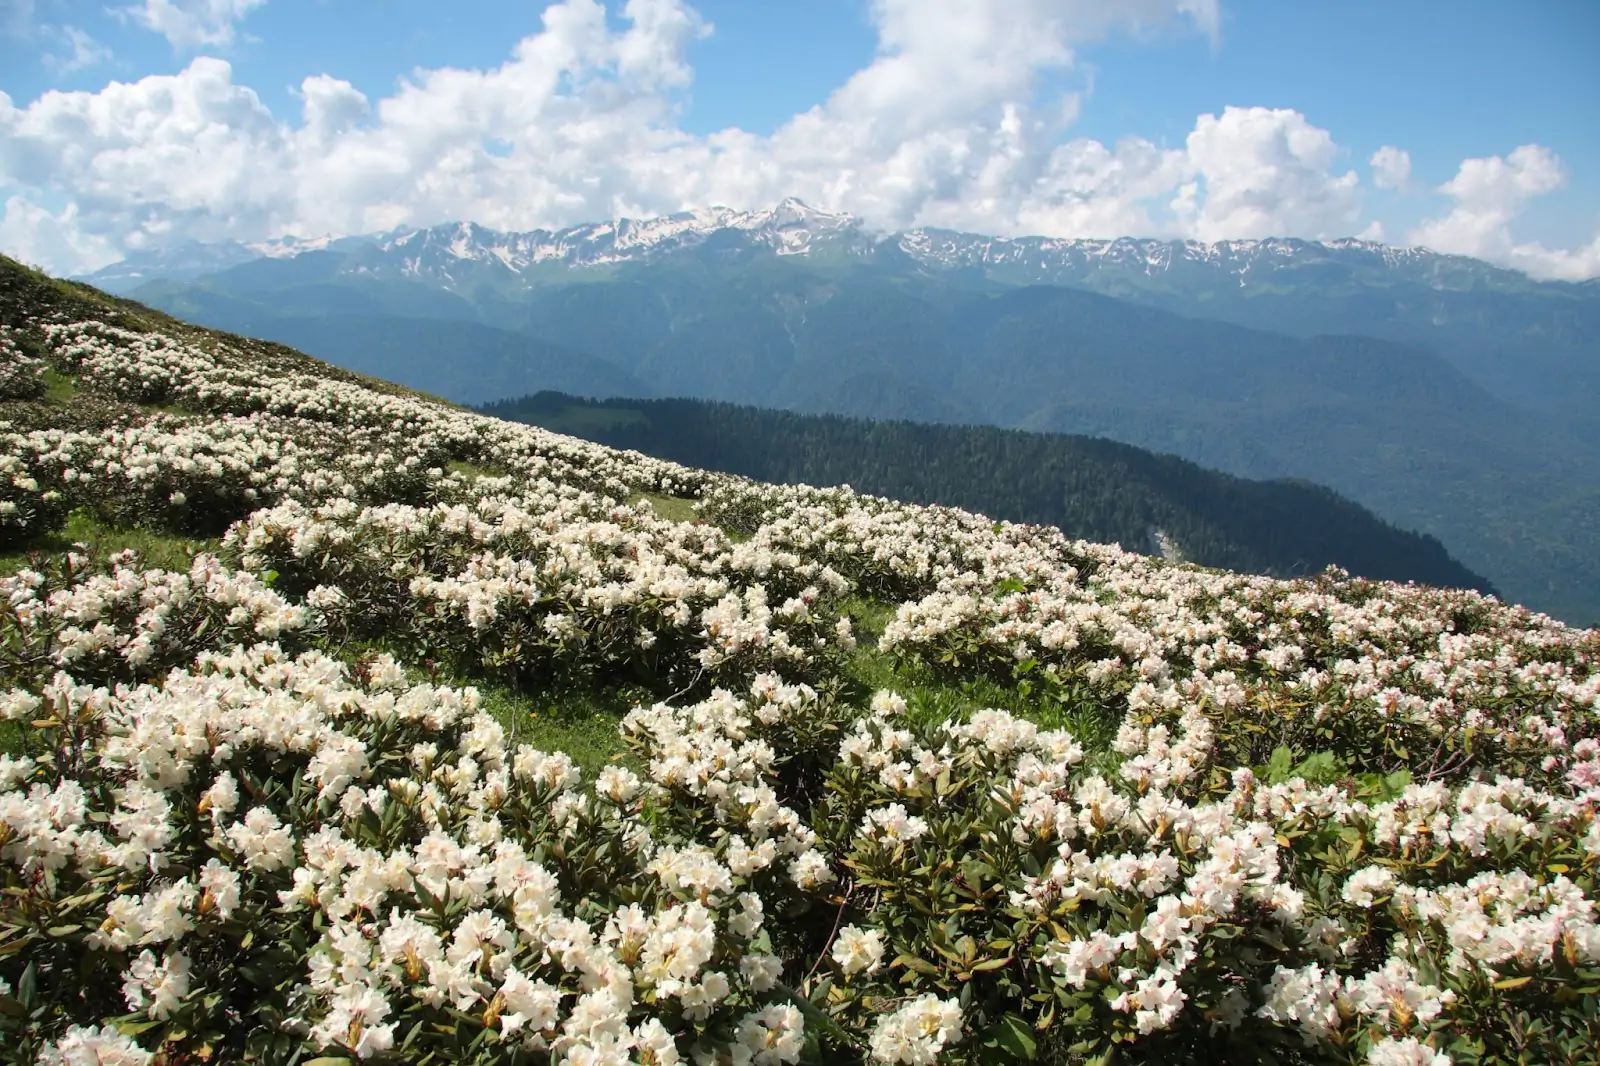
1089, 487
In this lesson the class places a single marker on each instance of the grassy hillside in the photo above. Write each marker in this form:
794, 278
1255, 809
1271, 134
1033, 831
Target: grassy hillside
1090, 488
460, 741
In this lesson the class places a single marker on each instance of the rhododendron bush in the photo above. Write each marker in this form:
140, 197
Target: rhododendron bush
255, 808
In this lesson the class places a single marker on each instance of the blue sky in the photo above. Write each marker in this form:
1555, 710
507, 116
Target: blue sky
1330, 84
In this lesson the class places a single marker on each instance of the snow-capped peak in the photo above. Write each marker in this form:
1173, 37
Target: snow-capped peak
289, 245
793, 227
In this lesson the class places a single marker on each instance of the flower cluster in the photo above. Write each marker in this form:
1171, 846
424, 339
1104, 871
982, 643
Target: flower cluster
21, 375
1381, 677
254, 801
557, 583
122, 622
1152, 918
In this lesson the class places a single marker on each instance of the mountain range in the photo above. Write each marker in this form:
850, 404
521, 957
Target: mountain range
1450, 396
1532, 343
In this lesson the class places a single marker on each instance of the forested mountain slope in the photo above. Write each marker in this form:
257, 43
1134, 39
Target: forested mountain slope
1091, 488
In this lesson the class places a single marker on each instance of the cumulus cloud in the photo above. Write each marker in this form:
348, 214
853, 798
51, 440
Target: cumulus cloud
1489, 193
192, 23
31, 234
1391, 167
580, 123
190, 153
1269, 172
944, 126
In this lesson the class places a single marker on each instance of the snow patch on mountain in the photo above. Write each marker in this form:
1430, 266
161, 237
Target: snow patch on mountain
793, 228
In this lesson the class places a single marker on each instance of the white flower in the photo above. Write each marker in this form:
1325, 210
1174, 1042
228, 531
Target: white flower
810, 869
262, 840
617, 784
355, 1020
654, 1044
887, 704
773, 1035
892, 825
87, 1046
156, 987
857, 950
1365, 884
762, 971
917, 1032
220, 888
1305, 998
533, 1004
1408, 1051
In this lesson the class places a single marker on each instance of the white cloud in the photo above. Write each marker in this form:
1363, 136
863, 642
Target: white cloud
190, 153
945, 126
192, 23
85, 51
1391, 167
55, 242
1489, 193
1268, 173
940, 126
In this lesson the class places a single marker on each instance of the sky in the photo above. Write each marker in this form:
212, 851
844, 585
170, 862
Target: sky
1468, 127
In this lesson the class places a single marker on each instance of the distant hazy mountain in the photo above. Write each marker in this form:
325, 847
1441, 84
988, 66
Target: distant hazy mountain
1447, 395
192, 259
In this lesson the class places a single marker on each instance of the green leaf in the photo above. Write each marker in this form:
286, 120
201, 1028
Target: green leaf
815, 1018
912, 962
1320, 768
135, 1028
28, 986
1015, 1036
1278, 767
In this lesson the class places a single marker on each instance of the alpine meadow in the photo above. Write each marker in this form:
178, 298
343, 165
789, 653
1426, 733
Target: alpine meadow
799, 533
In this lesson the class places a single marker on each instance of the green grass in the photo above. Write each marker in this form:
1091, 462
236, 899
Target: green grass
584, 724
581, 723
678, 509
932, 698
11, 734
171, 408
159, 549
59, 388
472, 470
669, 508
